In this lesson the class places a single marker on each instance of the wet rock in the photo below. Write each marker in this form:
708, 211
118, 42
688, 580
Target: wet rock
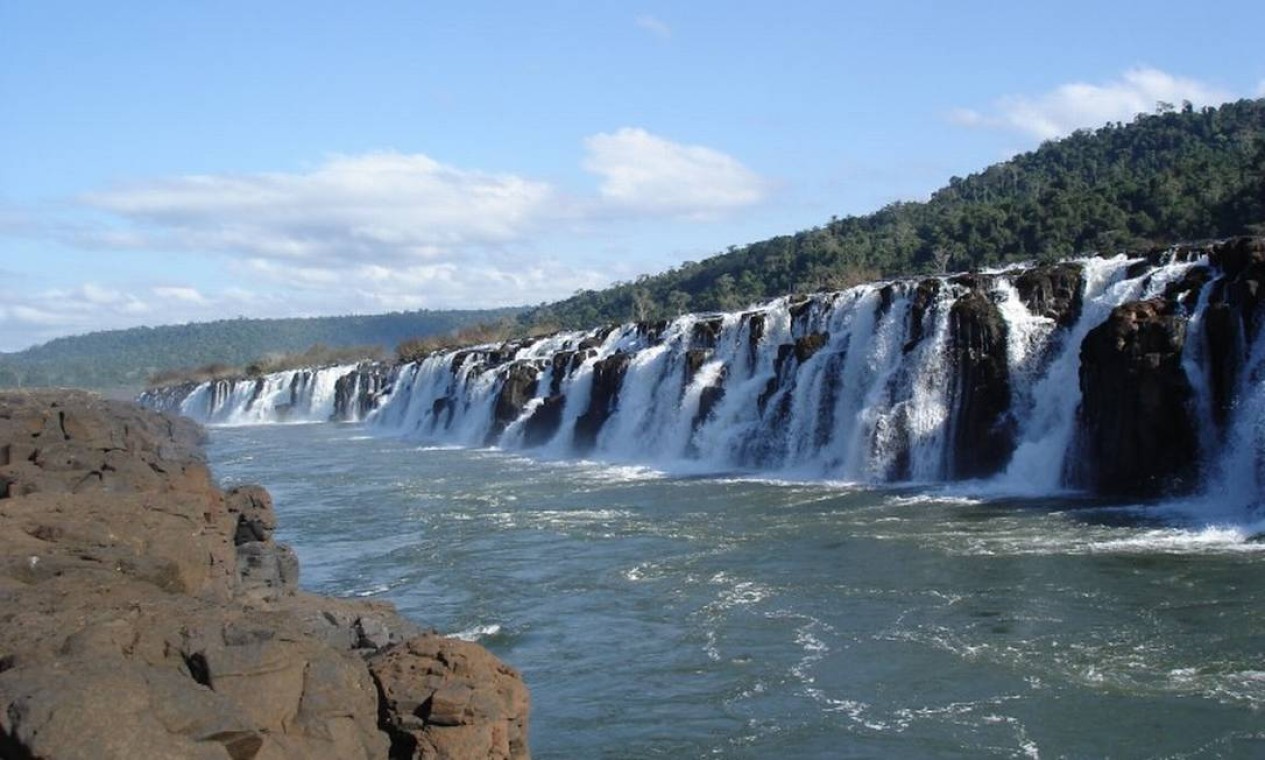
561, 363
695, 358
518, 387
545, 421
809, 345
925, 296
357, 392
1056, 292
757, 323
1135, 434
708, 398
1238, 256
608, 378
1186, 290
652, 332
1242, 262
800, 308
981, 431
706, 332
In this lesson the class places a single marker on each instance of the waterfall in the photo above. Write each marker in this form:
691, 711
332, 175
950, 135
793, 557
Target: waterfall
300, 395
980, 376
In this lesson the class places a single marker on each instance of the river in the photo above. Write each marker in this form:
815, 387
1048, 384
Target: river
724, 616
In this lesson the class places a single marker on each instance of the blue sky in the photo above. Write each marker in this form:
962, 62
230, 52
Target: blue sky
167, 162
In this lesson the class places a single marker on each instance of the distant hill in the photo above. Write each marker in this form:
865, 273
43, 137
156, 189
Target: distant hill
125, 358
1181, 174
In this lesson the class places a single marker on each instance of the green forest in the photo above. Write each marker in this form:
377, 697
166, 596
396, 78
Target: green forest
126, 359
1180, 174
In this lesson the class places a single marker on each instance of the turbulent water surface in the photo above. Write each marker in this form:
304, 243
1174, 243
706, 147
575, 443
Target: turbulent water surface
669, 616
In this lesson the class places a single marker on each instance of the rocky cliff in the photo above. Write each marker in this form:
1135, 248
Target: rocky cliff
145, 613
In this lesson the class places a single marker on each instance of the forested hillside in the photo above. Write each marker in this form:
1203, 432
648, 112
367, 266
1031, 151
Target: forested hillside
1180, 174
126, 358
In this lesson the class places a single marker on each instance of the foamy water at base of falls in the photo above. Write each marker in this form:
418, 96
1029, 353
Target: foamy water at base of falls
677, 616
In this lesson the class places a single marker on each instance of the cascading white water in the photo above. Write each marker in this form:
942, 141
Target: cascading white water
302, 395
860, 385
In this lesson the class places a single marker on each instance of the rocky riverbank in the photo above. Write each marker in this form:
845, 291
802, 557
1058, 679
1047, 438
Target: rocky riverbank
146, 613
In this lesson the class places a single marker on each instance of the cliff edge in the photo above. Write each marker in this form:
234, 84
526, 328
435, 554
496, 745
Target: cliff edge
146, 613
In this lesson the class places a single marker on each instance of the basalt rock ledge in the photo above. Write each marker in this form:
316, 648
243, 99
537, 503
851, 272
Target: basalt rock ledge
144, 612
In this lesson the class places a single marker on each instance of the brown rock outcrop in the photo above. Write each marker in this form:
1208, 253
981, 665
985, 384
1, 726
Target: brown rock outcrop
145, 613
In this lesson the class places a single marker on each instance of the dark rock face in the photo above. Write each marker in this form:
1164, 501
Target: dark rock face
757, 324
708, 398
925, 296
145, 613
563, 364
608, 378
981, 430
545, 421
706, 332
1136, 436
809, 345
695, 358
518, 388
801, 310
357, 392
1056, 292
1231, 319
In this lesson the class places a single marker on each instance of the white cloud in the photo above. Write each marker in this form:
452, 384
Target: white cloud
1081, 105
646, 173
967, 117
379, 205
1260, 89
182, 294
655, 26
360, 234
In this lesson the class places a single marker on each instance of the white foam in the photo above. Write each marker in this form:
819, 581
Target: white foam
477, 633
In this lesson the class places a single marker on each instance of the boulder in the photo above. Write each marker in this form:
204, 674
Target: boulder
445, 698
